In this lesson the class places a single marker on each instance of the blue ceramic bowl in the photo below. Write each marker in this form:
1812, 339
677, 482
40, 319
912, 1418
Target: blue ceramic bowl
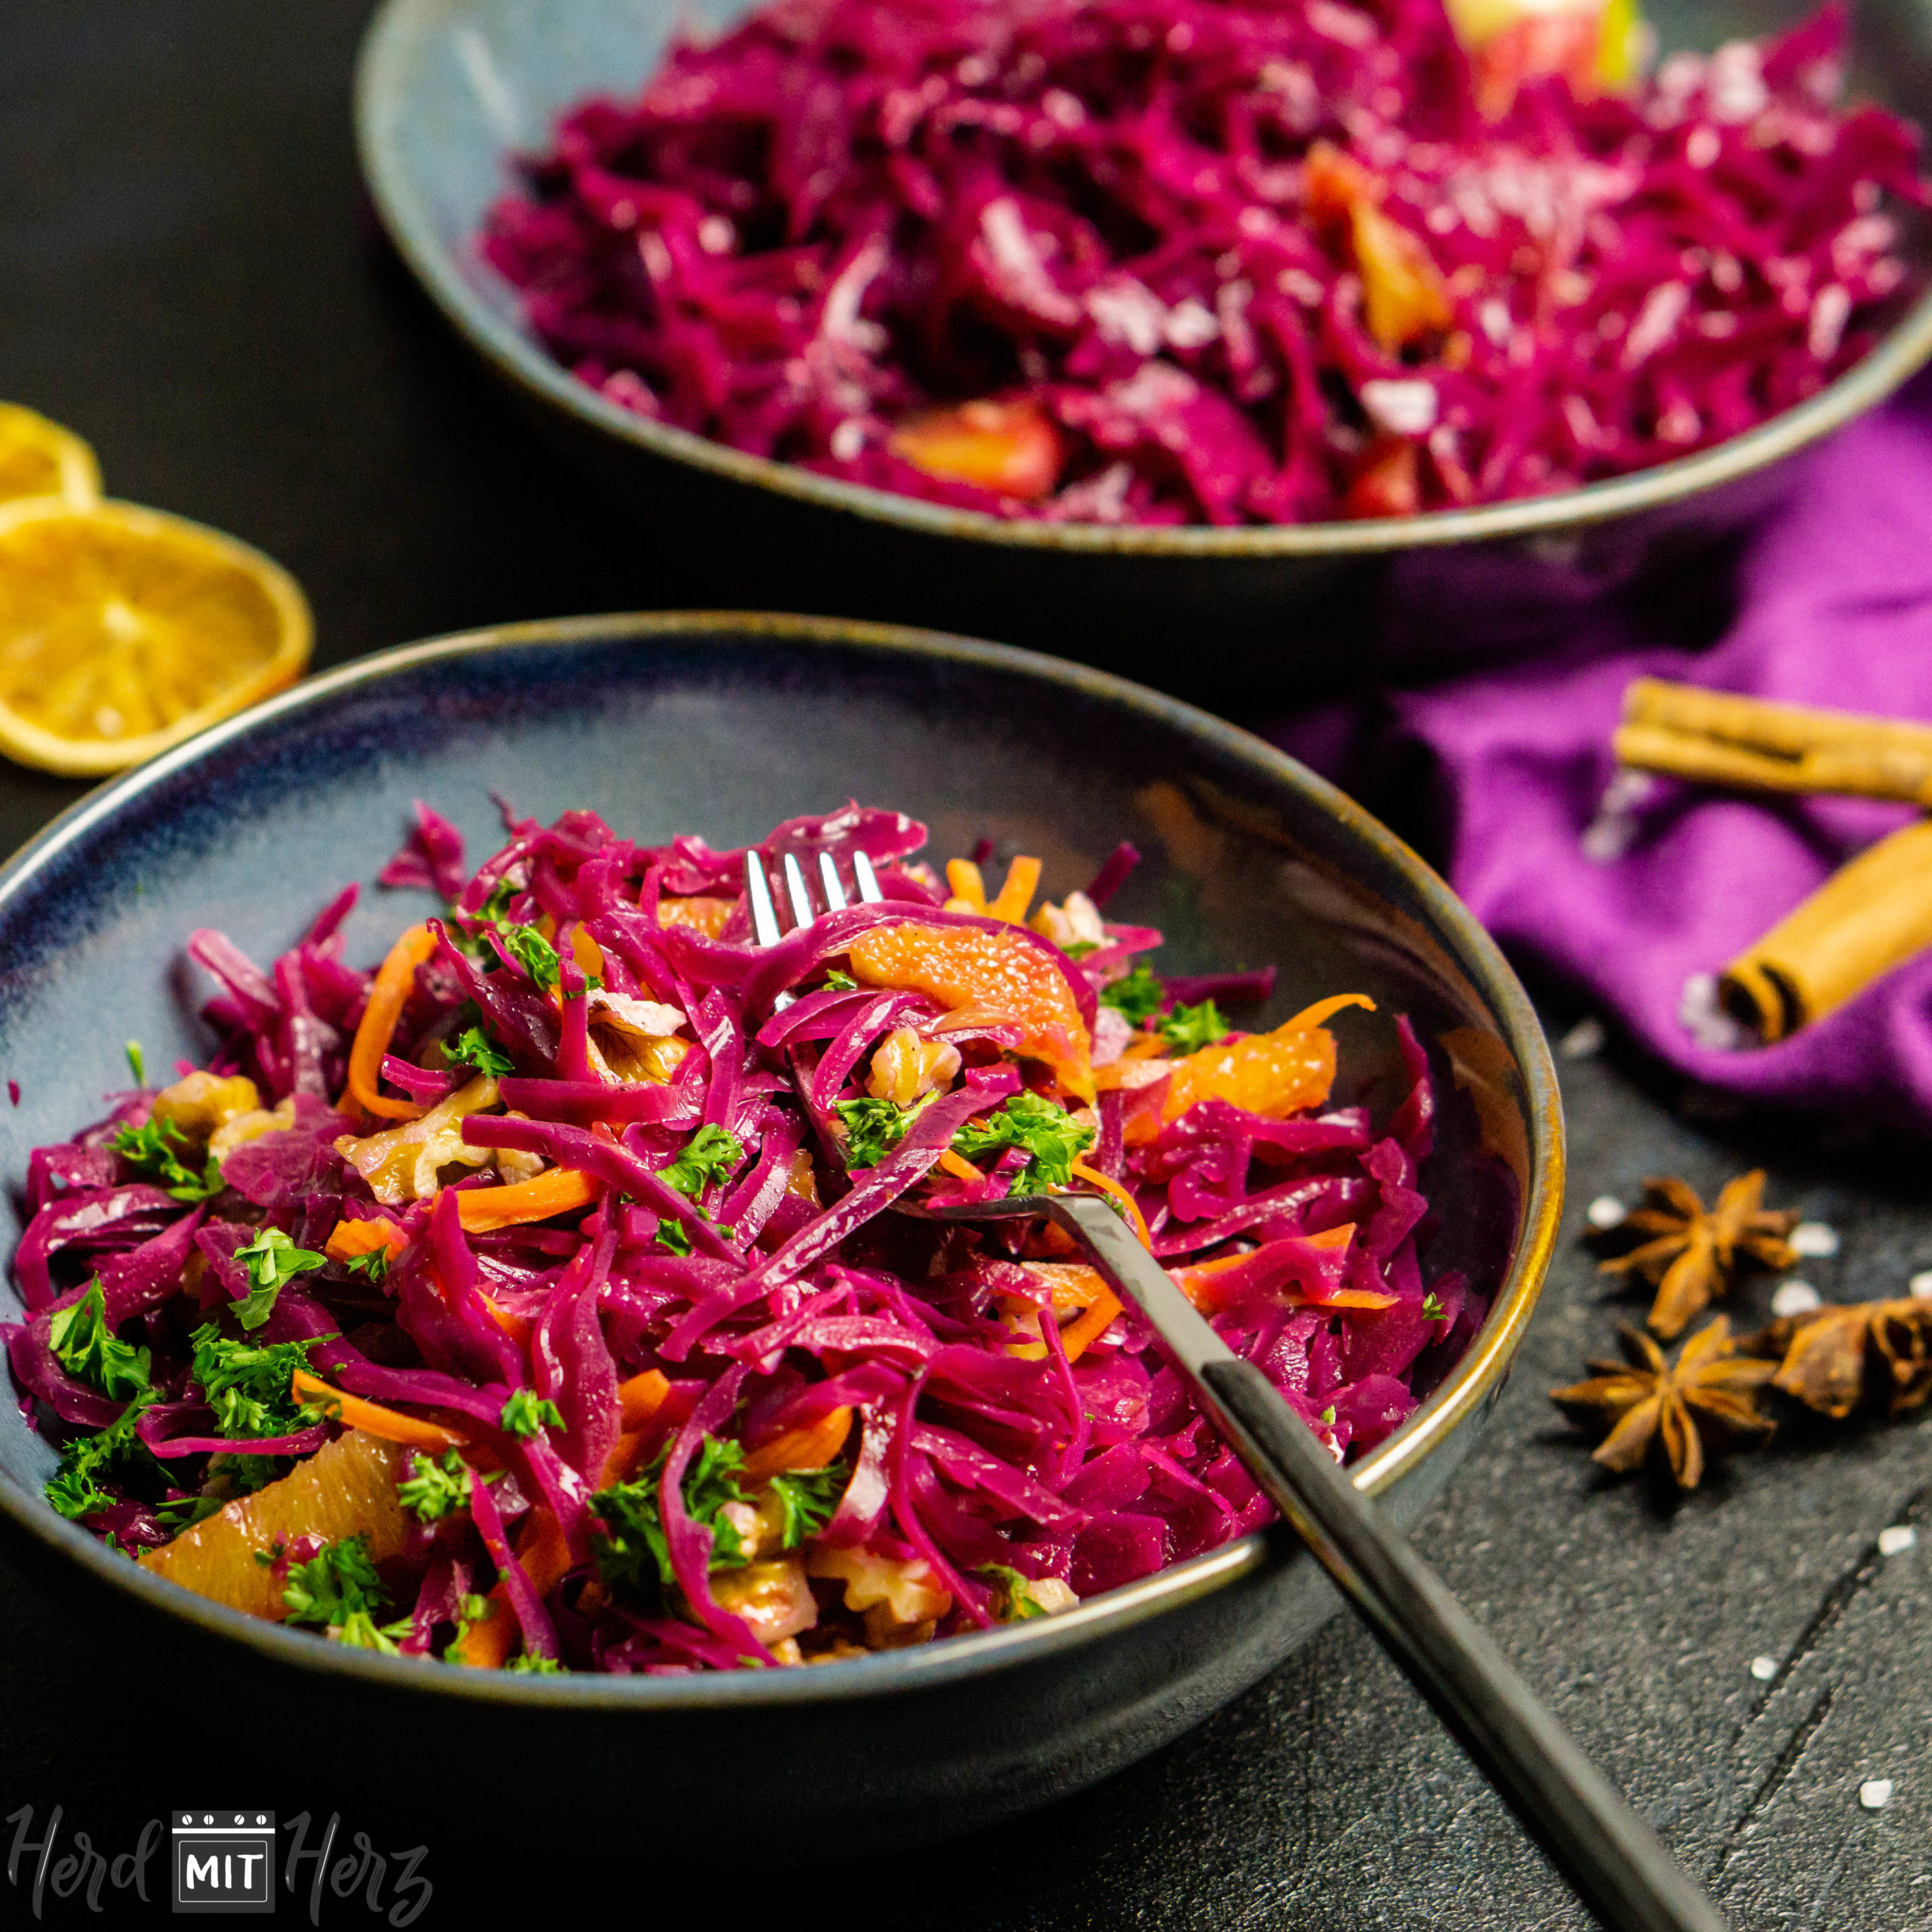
449, 92
724, 725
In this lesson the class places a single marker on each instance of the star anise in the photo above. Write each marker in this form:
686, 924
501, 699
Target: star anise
1707, 1398
1833, 1359
1691, 1252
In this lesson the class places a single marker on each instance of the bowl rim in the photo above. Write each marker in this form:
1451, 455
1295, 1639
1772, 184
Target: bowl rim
397, 37
1474, 1382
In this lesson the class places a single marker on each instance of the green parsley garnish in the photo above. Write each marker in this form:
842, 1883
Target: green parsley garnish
1188, 1028
88, 1347
527, 1663
474, 1048
373, 1265
526, 1415
1137, 995
473, 1610
137, 1063
74, 1491
339, 1589
1328, 1416
186, 1510
874, 1127
710, 1155
247, 1383
673, 1236
1016, 1601
631, 1548
533, 952
1049, 1134
272, 1261
806, 1500
150, 1149
836, 982
1431, 1306
435, 1488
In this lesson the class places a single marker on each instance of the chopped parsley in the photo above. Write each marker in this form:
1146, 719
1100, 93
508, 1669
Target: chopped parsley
673, 1236
247, 1383
434, 1489
527, 1663
474, 1048
338, 1589
472, 1611
150, 1149
836, 982
184, 1512
806, 1500
631, 1549
1051, 1134
1431, 1307
1138, 995
710, 1155
1016, 1601
874, 1127
88, 1348
75, 1490
373, 1265
526, 1415
137, 1063
1188, 1028
1328, 1416
272, 1261
533, 952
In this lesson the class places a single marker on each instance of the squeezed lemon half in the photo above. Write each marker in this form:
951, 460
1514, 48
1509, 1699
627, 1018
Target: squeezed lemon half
38, 458
124, 630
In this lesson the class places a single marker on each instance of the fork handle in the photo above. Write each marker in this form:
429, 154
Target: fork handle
1616, 1862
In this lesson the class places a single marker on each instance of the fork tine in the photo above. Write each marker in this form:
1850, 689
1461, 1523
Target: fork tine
862, 871
803, 911
835, 891
758, 891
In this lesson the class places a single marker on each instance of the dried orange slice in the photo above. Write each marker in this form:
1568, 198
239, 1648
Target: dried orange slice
347, 1488
994, 976
123, 630
38, 458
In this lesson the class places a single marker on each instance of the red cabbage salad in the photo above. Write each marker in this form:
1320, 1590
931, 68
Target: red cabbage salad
533, 1301
1214, 261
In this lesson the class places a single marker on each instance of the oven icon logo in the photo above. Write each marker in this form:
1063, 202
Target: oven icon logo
224, 1861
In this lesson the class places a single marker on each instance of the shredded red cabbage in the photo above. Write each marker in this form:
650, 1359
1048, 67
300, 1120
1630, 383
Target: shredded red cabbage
711, 1402
1207, 261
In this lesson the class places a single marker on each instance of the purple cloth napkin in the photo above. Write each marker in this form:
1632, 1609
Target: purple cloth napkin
1630, 901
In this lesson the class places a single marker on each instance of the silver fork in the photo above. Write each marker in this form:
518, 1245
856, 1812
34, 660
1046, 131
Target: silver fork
1617, 1864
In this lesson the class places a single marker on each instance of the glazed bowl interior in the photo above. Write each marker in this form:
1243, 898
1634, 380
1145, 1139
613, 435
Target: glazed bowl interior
450, 92
724, 725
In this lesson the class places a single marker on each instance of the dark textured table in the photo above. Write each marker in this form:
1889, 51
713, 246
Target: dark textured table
188, 277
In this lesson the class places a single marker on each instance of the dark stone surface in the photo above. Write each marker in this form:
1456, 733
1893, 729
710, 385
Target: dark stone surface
187, 277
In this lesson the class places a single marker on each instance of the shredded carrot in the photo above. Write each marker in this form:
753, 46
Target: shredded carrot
1093, 1323
1136, 1220
516, 1326
969, 889
556, 1191
546, 1558
626, 1454
811, 1448
957, 1166
349, 1238
642, 1396
387, 997
391, 1425
1322, 1009
1022, 880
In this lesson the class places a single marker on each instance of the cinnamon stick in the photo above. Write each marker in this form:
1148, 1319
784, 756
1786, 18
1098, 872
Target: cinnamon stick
1872, 914
1719, 739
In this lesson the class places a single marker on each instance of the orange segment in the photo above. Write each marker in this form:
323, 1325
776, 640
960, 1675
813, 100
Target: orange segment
1011, 448
38, 458
1271, 1074
346, 1487
702, 912
123, 630
999, 977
